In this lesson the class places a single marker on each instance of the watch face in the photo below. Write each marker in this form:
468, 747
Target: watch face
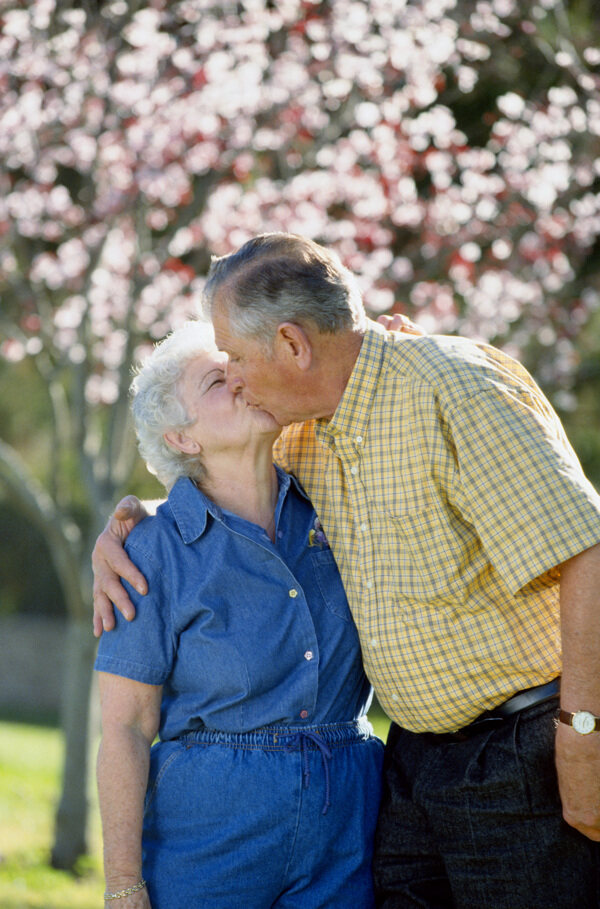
584, 722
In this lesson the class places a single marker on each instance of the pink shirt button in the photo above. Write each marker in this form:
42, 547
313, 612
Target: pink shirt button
304, 714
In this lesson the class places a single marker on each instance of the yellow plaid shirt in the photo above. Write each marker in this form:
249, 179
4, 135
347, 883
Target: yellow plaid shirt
449, 494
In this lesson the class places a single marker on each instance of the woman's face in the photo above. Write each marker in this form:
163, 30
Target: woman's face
223, 420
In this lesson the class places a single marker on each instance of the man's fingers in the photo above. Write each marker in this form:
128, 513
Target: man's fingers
119, 565
104, 619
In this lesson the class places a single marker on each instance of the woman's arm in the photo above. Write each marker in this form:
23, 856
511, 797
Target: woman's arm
130, 719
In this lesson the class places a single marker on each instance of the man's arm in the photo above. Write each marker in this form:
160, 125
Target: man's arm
109, 559
578, 756
110, 563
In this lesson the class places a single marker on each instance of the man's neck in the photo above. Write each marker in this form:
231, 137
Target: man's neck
336, 356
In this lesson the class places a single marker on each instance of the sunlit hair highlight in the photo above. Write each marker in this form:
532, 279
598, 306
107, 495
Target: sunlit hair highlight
282, 277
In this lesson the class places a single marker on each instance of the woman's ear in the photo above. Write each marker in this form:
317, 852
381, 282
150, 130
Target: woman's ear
182, 442
293, 343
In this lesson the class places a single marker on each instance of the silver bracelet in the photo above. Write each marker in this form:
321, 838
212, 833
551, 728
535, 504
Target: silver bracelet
119, 894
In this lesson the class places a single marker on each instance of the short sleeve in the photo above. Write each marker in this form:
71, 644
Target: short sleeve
521, 484
143, 649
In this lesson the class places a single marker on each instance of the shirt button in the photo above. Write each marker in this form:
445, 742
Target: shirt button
293, 593
354, 470
358, 440
363, 527
369, 585
308, 655
304, 714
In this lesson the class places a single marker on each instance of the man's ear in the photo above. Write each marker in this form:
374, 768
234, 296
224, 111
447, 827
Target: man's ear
182, 442
293, 343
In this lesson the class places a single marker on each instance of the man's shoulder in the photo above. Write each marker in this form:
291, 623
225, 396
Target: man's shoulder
452, 364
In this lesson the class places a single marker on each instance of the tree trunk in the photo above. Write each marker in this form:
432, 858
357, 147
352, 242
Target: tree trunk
72, 814
74, 576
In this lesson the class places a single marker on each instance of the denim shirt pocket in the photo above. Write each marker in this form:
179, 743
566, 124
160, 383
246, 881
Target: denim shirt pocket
330, 583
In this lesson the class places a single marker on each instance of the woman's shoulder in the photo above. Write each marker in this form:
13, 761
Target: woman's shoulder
153, 536
161, 538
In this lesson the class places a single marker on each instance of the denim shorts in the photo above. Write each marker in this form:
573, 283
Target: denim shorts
280, 817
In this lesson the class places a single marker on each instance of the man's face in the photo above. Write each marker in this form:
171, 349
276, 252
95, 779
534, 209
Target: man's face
262, 379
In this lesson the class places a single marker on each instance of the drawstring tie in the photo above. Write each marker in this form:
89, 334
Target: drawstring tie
301, 740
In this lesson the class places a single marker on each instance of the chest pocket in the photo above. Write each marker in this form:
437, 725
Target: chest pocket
429, 548
330, 583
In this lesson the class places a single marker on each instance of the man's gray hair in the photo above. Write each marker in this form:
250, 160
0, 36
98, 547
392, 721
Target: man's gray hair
281, 277
157, 407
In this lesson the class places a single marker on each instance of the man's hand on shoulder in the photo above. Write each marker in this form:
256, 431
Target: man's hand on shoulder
110, 563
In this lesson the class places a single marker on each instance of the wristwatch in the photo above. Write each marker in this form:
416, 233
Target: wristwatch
582, 721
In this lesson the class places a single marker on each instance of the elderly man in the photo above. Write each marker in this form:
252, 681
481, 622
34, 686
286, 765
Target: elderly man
468, 540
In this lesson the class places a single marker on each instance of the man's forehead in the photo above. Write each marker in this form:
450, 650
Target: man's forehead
228, 340
220, 322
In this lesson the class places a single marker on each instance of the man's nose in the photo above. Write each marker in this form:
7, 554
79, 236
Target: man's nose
234, 382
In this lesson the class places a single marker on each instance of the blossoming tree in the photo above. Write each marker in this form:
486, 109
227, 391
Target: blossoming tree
449, 150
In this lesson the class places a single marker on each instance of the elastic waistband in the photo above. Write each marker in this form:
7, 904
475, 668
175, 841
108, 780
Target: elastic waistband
278, 738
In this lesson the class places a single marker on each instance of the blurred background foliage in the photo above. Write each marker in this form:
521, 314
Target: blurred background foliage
449, 150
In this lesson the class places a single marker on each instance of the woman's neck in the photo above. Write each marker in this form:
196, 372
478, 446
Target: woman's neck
246, 484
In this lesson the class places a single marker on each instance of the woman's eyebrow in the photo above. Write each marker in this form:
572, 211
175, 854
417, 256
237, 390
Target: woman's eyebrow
206, 376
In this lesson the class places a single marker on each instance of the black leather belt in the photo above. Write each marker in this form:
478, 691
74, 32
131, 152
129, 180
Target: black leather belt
521, 701
525, 699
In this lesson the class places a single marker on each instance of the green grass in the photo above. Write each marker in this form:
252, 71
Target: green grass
31, 760
30, 767
379, 721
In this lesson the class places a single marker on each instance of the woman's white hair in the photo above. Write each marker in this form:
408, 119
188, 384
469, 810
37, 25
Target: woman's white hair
157, 407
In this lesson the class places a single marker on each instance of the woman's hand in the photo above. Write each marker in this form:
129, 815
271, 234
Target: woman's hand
398, 322
110, 563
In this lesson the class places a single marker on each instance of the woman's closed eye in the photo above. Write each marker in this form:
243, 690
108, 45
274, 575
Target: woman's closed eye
215, 378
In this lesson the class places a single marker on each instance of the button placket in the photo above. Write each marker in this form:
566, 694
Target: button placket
351, 451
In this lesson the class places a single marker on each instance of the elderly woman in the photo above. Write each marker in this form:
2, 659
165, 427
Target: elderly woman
263, 787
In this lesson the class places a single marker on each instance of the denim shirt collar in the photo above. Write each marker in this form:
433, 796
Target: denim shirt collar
191, 507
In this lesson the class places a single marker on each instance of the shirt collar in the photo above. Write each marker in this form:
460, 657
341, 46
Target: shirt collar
353, 411
191, 507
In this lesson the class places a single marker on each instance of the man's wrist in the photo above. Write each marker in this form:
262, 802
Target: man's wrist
582, 721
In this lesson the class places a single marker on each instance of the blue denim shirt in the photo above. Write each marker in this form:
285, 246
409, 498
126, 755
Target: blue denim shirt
242, 633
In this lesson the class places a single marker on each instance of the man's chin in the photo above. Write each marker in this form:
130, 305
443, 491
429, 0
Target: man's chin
260, 409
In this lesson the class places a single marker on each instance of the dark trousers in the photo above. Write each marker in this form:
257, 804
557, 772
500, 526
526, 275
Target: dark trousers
477, 824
